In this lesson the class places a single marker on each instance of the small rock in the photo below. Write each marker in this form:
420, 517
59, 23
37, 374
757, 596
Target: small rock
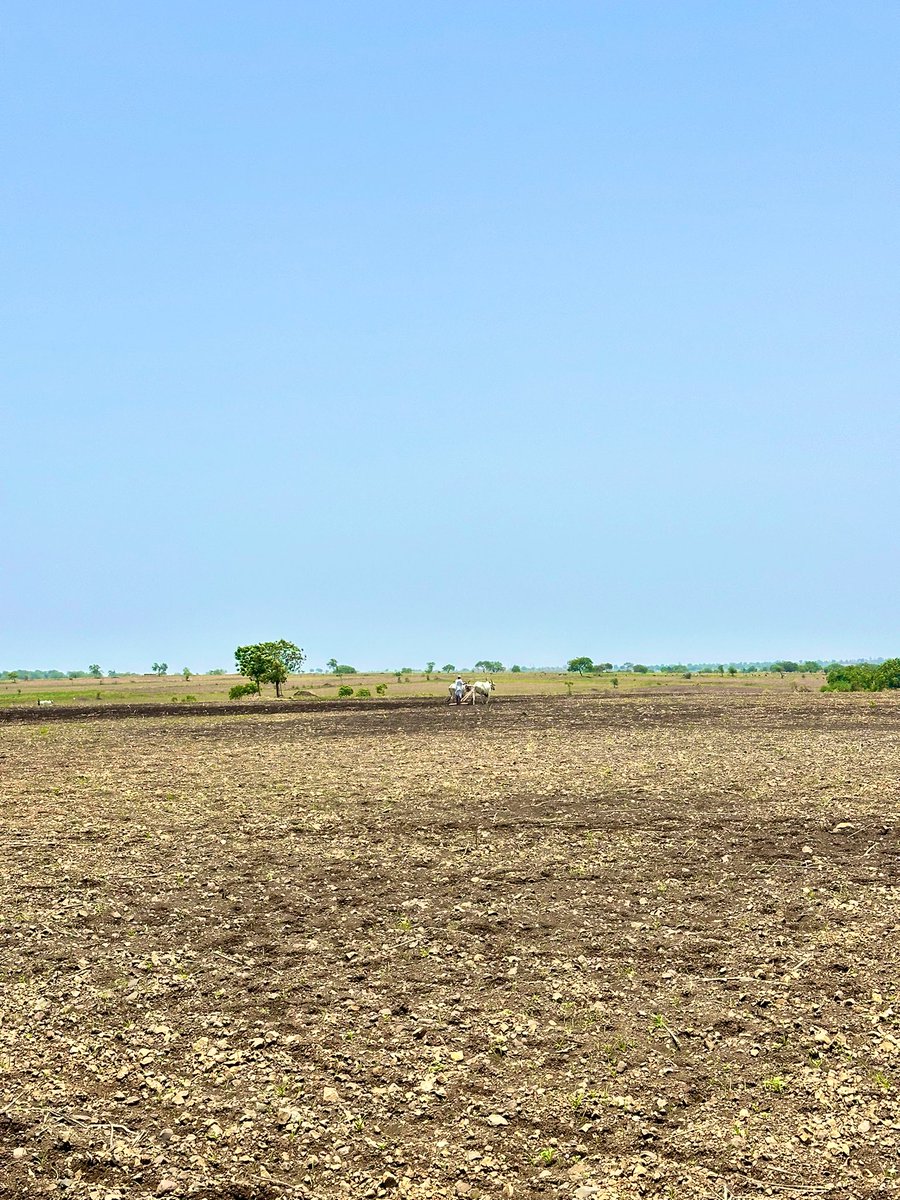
166, 1186
330, 1095
19, 1152
843, 827
497, 1119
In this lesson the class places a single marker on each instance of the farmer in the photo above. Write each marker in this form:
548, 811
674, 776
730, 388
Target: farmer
458, 689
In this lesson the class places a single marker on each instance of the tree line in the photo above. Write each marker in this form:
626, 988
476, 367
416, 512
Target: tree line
784, 666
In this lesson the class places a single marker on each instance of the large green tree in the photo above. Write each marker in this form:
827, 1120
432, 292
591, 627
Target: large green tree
581, 665
269, 662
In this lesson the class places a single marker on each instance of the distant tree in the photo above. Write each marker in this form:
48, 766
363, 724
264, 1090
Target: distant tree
602, 666
626, 666
406, 670
94, 671
429, 667
216, 671
448, 669
344, 669
785, 666
332, 665
732, 670
811, 665
187, 673
111, 674
640, 669
12, 676
721, 669
269, 662
751, 669
74, 674
515, 668
489, 665
160, 668
581, 665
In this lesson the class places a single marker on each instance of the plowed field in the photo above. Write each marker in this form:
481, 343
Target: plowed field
589, 948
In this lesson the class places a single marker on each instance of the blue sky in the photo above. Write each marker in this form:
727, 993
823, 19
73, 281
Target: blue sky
409, 332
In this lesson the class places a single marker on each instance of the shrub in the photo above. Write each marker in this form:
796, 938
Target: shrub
863, 677
241, 689
381, 688
364, 693
888, 674
345, 691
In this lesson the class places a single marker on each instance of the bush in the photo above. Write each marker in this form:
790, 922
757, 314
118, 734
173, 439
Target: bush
863, 677
364, 693
381, 688
345, 691
888, 674
241, 689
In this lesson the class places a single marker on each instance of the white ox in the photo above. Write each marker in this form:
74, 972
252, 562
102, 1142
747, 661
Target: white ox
481, 689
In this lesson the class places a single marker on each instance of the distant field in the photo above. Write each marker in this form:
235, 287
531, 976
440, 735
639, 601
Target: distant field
143, 689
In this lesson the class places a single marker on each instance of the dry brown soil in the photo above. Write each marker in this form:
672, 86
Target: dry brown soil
588, 948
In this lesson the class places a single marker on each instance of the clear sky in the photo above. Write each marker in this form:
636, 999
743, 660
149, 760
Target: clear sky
449, 331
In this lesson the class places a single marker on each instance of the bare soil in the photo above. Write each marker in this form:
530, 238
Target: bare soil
591, 948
